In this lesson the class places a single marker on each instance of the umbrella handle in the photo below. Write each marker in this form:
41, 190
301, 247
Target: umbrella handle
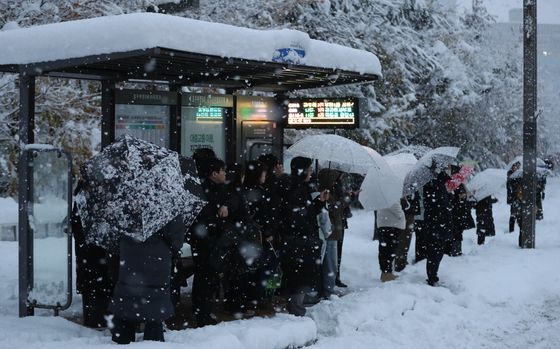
407, 203
273, 250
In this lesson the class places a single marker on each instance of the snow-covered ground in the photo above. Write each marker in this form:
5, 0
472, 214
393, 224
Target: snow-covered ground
495, 296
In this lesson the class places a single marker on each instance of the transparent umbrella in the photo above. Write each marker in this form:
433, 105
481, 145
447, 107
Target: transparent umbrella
427, 167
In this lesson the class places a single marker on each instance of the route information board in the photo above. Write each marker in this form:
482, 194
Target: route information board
323, 113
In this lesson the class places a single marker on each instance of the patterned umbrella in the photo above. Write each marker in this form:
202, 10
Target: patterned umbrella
132, 188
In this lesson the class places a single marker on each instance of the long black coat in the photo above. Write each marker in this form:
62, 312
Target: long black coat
301, 247
207, 227
242, 234
276, 193
438, 210
462, 216
142, 292
484, 216
260, 209
92, 269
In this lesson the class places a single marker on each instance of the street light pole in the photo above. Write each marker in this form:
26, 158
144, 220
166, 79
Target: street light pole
527, 239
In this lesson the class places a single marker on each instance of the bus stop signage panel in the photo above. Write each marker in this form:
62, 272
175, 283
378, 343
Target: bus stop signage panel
323, 113
203, 118
144, 115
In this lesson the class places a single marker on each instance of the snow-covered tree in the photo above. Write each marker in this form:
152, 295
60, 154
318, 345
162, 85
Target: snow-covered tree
444, 82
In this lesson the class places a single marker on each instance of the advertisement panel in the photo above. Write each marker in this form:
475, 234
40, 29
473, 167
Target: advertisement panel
144, 115
203, 118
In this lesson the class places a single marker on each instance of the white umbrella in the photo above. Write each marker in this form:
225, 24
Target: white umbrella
381, 188
487, 182
333, 151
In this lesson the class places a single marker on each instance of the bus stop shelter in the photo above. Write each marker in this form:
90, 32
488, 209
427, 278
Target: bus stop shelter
158, 49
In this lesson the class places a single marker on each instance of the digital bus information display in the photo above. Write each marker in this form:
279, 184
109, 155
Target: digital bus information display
323, 113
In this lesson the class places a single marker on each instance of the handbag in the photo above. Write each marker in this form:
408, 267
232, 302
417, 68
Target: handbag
271, 274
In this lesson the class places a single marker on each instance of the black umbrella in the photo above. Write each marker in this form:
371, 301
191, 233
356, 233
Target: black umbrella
132, 188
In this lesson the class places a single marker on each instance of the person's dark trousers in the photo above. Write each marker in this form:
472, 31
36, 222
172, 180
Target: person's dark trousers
387, 247
520, 242
404, 238
95, 307
434, 255
511, 219
481, 237
123, 331
375, 231
176, 282
153, 331
205, 281
455, 245
420, 244
241, 293
339, 244
538, 201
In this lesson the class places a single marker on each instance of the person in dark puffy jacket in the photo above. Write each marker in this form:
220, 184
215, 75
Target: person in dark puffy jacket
142, 293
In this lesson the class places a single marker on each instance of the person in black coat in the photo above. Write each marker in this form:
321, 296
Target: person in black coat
513, 197
241, 239
301, 246
411, 208
485, 219
276, 187
462, 220
438, 223
143, 290
92, 274
203, 236
260, 207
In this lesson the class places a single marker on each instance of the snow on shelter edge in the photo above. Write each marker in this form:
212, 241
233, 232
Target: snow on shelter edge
138, 31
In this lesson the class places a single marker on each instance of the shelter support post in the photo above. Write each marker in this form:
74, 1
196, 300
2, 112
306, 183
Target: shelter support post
529, 122
231, 131
107, 112
282, 100
25, 173
175, 120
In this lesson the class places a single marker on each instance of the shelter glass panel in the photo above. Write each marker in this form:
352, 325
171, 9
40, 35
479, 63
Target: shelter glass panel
49, 224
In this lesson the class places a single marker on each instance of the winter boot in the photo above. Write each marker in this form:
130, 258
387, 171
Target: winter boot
434, 281
387, 277
295, 305
481, 238
339, 283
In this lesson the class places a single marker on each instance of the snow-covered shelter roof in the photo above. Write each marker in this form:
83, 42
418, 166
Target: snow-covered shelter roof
153, 46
